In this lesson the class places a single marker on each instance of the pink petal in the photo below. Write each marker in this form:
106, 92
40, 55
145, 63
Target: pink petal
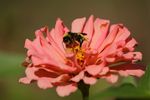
100, 32
54, 57
137, 72
28, 44
53, 54
129, 69
66, 30
38, 46
39, 59
78, 25
137, 55
94, 69
89, 80
51, 35
133, 56
25, 80
59, 28
59, 32
111, 78
32, 49
123, 34
78, 77
111, 51
104, 71
89, 29
128, 55
59, 67
110, 37
30, 73
44, 83
63, 68
47, 73
66, 90
110, 59
52, 42
131, 43
60, 79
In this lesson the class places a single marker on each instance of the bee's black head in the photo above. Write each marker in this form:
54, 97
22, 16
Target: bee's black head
66, 39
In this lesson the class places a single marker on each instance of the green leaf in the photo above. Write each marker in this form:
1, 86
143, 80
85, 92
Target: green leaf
144, 83
124, 91
128, 90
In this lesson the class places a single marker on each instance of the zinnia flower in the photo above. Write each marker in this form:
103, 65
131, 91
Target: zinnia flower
104, 52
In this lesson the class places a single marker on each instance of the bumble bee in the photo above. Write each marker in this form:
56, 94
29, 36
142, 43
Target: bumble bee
73, 39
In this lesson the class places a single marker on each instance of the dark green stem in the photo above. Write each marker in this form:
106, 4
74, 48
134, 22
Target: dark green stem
84, 88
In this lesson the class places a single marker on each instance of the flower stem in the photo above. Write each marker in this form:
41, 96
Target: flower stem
84, 88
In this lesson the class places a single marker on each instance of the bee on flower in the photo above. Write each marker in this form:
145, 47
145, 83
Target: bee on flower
92, 49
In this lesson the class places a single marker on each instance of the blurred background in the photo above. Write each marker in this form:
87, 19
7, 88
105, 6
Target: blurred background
20, 18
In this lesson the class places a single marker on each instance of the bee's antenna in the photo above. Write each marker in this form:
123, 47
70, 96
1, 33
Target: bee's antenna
83, 33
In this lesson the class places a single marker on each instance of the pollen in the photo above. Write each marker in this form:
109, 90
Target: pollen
79, 53
79, 56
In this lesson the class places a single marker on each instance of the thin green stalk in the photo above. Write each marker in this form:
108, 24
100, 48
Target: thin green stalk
84, 88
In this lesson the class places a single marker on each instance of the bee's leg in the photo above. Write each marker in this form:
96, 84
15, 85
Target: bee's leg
81, 41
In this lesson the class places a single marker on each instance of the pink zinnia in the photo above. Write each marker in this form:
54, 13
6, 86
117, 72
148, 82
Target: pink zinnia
106, 52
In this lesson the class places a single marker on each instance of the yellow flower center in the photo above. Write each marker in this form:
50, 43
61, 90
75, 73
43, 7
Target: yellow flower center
79, 53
